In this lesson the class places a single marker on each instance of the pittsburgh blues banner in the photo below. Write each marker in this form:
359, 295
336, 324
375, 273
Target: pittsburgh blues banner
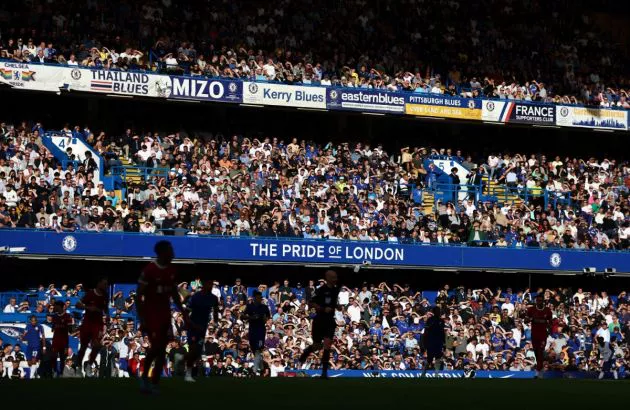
437, 105
365, 100
328, 252
518, 112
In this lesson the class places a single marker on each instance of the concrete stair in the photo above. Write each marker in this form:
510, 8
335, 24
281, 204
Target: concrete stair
428, 202
492, 188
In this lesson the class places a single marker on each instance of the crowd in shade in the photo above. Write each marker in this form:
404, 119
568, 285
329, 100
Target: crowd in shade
380, 327
263, 186
452, 47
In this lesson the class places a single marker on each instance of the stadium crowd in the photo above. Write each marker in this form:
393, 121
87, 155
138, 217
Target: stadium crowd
380, 327
453, 47
243, 186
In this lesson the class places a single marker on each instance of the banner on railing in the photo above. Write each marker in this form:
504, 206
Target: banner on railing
366, 100
118, 82
518, 112
34, 77
304, 251
284, 95
568, 116
203, 89
443, 107
443, 374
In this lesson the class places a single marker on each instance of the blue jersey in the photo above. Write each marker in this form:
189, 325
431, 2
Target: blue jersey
201, 305
258, 315
34, 335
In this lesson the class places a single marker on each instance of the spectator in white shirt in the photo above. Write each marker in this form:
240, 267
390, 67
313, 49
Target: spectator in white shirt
11, 307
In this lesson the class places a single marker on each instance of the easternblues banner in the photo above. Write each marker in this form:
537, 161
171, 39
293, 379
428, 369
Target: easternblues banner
435, 105
284, 95
569, 116
327, 252
366, 100
518, 112
204, 89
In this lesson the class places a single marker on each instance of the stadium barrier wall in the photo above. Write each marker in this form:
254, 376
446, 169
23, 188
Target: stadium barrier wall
306, 251
444, 374
54, 78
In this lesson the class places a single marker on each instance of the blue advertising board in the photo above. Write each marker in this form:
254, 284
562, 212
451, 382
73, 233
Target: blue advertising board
444, 374
518, 112
206, 89
365, 100
327, 252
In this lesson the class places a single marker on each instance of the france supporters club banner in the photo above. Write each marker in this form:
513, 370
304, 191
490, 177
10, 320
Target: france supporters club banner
585, 117
443, 106
305, 251
518, 112
36, 77
366, 100
284, 95
118, 82
203, 89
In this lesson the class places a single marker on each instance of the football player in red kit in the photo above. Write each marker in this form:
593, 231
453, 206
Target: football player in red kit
541, 317
156, 287
61, 328
92, 328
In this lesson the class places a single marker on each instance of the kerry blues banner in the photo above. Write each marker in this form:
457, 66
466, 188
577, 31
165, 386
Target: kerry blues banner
284, 95
443, 106
304, 251
365, 100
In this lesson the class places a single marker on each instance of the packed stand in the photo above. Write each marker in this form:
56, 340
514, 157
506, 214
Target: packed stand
380, 327
453, 47
265, 187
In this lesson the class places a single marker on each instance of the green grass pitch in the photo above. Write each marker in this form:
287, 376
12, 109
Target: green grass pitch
306, 393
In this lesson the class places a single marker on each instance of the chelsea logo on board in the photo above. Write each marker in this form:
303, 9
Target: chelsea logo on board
555, 260
69, 243
253, 88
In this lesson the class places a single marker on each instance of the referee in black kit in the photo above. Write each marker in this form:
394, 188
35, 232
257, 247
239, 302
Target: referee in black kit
324, 302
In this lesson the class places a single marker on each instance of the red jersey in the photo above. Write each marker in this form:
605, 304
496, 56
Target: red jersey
99, 301
160, 284
61, 327
541, 320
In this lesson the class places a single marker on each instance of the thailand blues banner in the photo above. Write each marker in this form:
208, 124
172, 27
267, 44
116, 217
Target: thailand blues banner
305, 251
436, 105
518, 112
118, 82
365, 100
284, 95
203, 89
36, 77
585, 117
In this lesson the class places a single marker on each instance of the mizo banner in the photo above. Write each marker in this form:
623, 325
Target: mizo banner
518, 112
118, 82
284, 95
586, 117
36, 77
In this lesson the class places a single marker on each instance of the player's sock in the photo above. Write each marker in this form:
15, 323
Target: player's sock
325, 362
615, 375
188, 376
258, 361
601, 375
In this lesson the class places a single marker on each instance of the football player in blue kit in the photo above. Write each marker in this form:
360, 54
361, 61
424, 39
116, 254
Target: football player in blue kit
257, 313
202, 304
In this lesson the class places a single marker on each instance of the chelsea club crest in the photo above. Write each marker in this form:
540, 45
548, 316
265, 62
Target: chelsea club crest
69, 243
555, 260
